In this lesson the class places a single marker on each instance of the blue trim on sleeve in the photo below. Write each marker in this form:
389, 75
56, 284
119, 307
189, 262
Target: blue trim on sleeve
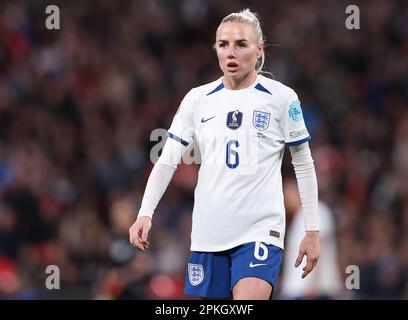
296, 143
183, 142
262, 88
216, 89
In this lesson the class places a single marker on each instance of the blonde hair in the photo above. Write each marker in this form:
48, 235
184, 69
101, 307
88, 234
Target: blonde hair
250, 18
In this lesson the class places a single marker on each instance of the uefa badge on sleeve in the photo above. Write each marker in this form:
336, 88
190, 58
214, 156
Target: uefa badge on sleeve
234, 119
295, 111
261, 120
195, 273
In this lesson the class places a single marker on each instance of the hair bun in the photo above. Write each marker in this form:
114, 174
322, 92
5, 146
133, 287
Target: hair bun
248, 13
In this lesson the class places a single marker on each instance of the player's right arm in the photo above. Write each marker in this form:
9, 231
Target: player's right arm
157, 183
180, 135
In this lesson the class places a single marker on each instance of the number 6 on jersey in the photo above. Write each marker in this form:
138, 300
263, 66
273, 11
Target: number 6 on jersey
230, 152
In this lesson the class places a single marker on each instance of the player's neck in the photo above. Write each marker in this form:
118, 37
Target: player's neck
239, 83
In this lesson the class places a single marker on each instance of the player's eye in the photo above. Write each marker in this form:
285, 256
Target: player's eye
222, 45
241, 45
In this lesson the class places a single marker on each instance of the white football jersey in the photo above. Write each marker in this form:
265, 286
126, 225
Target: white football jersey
241, 135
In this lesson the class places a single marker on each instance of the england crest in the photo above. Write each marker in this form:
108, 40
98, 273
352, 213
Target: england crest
195, 273
234, 119
261, 120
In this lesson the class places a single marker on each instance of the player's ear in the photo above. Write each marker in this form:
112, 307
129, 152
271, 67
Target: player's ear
259, 50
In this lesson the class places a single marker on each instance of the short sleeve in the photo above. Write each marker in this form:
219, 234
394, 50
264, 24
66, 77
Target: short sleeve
292, 123
182, 126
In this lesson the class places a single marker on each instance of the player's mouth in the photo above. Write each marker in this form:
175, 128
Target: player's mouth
232, 66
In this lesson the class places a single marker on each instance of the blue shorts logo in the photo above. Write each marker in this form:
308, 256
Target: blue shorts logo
234, 119
195, 273
261, 120
295, 111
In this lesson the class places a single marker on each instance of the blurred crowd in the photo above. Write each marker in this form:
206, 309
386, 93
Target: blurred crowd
77, 106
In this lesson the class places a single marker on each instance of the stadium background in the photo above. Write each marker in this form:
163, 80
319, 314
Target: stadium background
77, 106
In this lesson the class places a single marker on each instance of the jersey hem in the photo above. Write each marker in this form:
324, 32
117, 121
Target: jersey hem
277, 243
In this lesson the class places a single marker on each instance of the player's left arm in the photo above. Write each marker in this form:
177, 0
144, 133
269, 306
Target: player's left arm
307, 184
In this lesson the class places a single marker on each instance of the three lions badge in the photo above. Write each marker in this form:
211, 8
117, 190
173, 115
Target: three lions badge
195, 273
261, 120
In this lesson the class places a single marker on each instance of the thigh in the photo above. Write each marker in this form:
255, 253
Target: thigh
251, 288
208, 275
258, 264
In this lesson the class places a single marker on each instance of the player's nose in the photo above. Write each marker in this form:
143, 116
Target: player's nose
231, 53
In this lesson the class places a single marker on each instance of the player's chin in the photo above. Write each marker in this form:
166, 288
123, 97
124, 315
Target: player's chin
232, 72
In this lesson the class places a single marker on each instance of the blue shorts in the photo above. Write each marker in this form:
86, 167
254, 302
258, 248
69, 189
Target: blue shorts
214, 274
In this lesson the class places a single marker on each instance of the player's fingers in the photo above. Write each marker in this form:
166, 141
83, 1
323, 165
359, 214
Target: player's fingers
139, 245
134, 238
145, 244
314, 263
308, 267
145, 233
305, 273
299, 259
134, 241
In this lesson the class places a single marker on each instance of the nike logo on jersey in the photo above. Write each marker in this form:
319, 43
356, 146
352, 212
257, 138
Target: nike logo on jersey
205, 120
252, 265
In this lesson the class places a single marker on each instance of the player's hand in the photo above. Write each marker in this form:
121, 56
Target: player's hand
139, 231
310, 246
